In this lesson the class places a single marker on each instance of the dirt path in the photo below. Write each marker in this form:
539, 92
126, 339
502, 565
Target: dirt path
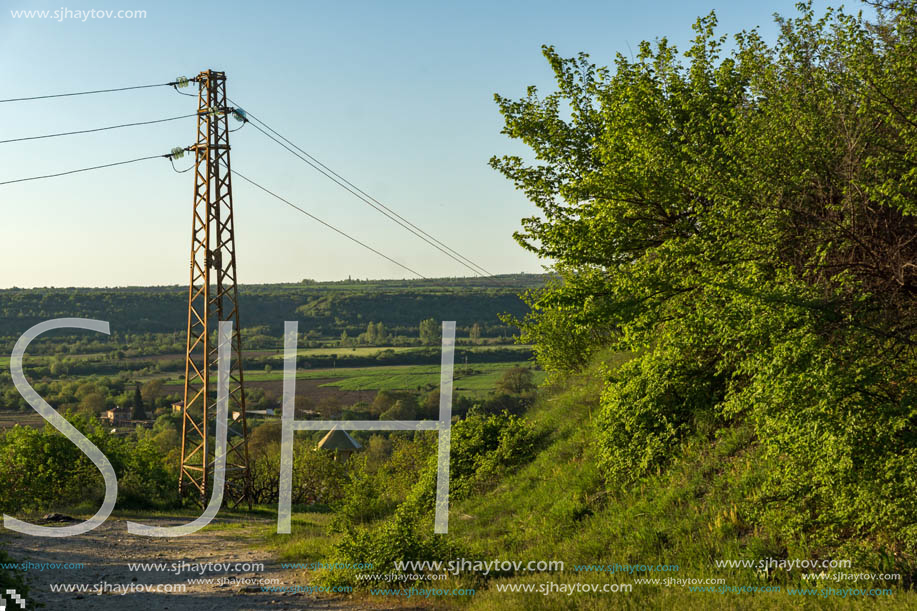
106, 551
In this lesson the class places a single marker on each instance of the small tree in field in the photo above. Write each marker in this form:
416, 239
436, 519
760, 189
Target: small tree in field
475, 333
429, 332
516, 381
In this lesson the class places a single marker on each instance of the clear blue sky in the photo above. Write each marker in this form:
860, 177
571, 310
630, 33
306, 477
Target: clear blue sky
396, 96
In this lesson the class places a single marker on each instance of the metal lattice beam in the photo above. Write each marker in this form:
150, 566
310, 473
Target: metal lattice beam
212, 297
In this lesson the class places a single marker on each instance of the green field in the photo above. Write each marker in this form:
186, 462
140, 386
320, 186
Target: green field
374, 350
480, 378
476, 379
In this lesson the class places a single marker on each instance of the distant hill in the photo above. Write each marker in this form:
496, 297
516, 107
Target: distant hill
324, 308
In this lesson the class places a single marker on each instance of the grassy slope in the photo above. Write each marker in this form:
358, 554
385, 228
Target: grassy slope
557, 508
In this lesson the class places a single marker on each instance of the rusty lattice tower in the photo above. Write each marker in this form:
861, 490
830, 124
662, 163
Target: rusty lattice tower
212, 297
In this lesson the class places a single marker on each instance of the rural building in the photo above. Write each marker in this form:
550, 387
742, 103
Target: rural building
178, 407
341, 443
119, 416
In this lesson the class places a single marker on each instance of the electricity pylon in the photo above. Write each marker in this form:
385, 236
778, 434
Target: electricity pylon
212, 297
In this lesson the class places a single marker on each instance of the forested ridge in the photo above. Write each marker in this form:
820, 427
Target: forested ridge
324, 308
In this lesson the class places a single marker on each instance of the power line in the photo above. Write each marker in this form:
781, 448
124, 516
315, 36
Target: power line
359, 192
366, 198
97, 129
75, 93
328, 225
177, 171
97, 167
346, 188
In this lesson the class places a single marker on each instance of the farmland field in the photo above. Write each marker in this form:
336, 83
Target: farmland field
478, 379
29, 418
373, 350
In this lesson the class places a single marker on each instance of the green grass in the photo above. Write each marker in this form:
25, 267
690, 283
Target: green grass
308, 541
355, 351
364, 351
483, 377
558, 507
28, 361
477, 378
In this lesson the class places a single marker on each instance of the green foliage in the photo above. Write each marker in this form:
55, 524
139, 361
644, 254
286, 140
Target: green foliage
363, 501
42, 467
475, 333
317, 477
376, 335
742, 221
482, 448
386, 400
649, 405
501, 403
45, 470
376, 485
137, 411
326, 308
516, 381
407, 536
703, 506
565, 330
379, 530
429, 332
147, 479
401, 410
93, 404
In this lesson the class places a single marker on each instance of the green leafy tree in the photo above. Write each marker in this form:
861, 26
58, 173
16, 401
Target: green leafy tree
58, 367
137, 411
429, 332
516, 381
742, 223
93, 403
401, 410
151, 391
475, 334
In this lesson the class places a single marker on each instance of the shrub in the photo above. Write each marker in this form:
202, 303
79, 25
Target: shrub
482, 448
648, 407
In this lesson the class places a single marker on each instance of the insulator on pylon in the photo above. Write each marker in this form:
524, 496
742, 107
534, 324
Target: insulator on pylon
177, 153
239, 115
182, 81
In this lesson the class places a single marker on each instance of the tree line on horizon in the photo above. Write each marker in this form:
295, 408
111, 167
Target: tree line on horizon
324, 314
